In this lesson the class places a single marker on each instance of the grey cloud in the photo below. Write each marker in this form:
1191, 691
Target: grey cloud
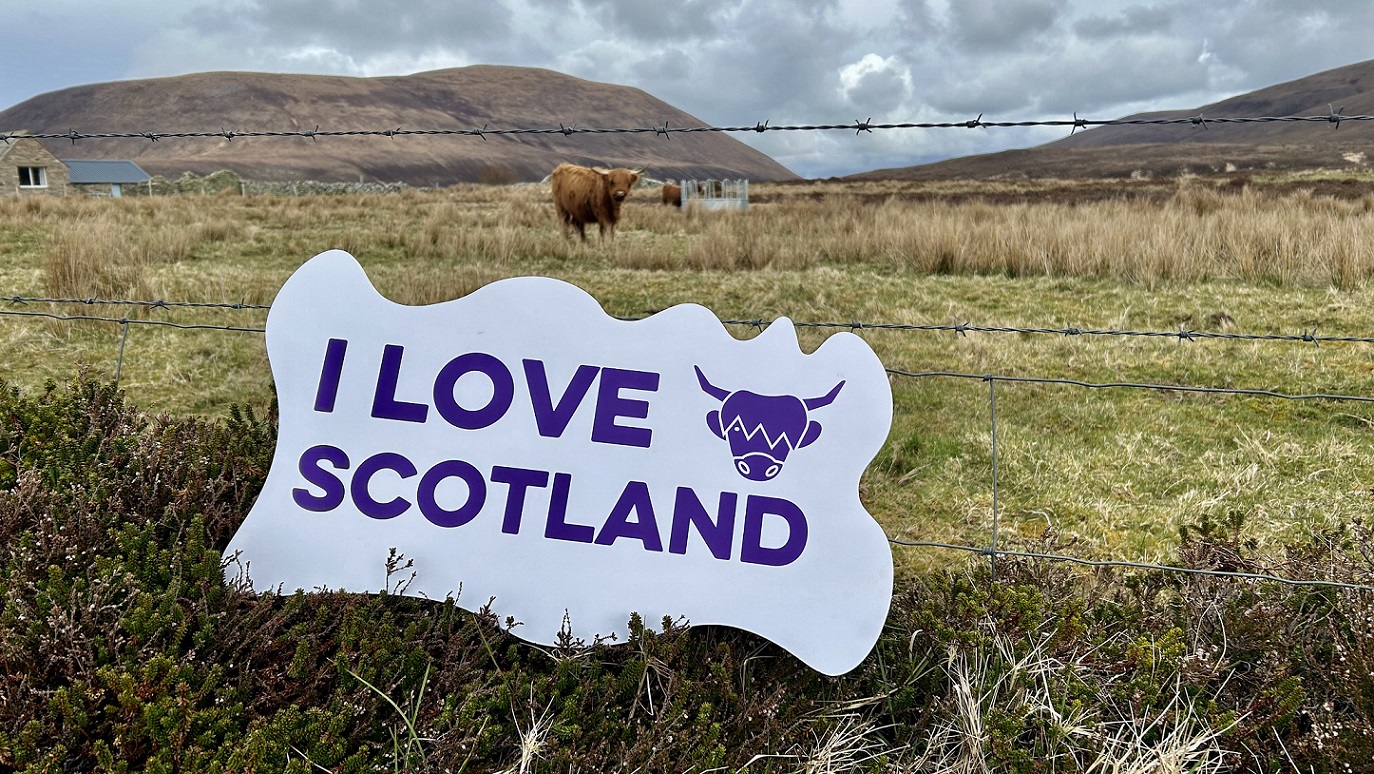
987, 25
1258, 43
990, 93
1131, 71
775, 58
916, 19
356, 28
879, 92
1135, 20
1084, 78
99, 50
661, 20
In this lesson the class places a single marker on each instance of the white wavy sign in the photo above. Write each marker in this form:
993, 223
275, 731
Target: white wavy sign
520, 445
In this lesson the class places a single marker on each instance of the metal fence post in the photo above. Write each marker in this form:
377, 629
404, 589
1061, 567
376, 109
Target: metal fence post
123, 339
992, 414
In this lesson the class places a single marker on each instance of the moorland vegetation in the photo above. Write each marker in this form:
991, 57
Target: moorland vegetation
122, 648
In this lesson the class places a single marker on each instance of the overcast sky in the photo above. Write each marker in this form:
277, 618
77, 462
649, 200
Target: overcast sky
736, 62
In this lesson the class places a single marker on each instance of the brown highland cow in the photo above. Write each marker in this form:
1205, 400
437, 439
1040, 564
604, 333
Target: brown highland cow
672, 194
584, 195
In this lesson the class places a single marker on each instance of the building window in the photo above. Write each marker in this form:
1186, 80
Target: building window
33, 177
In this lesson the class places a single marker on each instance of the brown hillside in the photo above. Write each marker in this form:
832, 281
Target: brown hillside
1153, 150
461, 98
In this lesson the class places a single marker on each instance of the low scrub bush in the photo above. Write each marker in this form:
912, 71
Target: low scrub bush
122, 648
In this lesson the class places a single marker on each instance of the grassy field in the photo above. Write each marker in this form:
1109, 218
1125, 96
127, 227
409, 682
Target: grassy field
122, 648
1113, 472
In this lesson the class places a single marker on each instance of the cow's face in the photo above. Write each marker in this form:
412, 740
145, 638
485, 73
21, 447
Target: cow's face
762, 430
618, 182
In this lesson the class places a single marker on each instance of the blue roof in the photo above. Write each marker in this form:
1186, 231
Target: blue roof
89, 171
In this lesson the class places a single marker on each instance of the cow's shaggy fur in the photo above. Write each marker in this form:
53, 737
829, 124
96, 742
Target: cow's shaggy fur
672, 194
585, 195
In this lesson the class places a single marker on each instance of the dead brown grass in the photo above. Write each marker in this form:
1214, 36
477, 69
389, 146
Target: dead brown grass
1191, 230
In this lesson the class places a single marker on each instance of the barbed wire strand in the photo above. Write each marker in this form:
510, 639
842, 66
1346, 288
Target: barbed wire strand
127, 321
959, 328
1333, 117
156, 304
1133, 385
893, 371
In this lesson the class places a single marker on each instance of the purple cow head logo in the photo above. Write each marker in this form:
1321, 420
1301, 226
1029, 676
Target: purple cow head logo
763, 429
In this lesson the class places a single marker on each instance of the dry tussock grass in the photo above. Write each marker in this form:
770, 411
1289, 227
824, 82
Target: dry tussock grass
1201, 232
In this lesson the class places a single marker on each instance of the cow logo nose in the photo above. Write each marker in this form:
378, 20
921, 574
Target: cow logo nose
758, 467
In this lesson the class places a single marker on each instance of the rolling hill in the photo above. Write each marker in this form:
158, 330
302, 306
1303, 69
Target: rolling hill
473, 97
1155, 151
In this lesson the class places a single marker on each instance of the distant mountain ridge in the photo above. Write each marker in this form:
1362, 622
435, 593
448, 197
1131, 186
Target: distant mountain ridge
1211, 148
497, 97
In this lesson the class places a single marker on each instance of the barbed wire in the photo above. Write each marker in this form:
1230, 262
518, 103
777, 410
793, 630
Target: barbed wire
1333, 117
127, 321
1133, 385
157, 304
965, 328
985, 377
959, 328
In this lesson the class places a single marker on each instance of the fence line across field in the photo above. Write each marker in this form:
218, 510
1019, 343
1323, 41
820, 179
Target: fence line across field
759, 323
1334, 117
992, 551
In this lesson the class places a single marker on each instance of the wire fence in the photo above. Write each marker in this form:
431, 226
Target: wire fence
993, 551
1333, 117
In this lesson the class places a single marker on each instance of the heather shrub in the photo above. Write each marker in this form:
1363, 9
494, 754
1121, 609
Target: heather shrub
123, 648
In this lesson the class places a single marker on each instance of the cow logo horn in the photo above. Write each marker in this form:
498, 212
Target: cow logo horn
763, 430
825, 400
708, 388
